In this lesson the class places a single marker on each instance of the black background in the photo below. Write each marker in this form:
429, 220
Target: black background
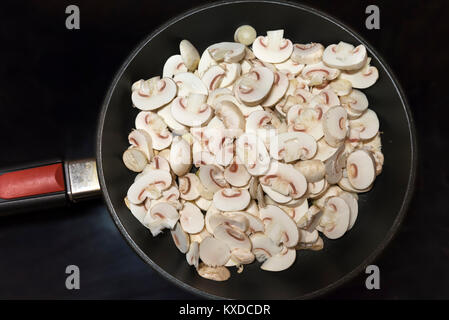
52, 82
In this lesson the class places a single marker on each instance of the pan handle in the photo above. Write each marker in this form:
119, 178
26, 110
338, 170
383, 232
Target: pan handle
47, 185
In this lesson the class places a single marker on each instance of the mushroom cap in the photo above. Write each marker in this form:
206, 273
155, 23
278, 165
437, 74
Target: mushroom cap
345, 56
285, 179
245, 35
310, 53
338, 213
219, 273
180, 238
173, 66
161, 215
193, 255
361, 169
313, 170
154, 93
212, 178
281, 261
189, 54
234, 238
263, 247
189, 83
158, 162
356, 101
291, 146
318, 73
367, 125
227, 51
236, 174
278, 90
279, 226
189, 185
191, 218
335, 125
156, 179
254, 86
273, 48
180, 156
213, 76
214, 252
251, 151
191, 111
363, 78
231, 199
134, 159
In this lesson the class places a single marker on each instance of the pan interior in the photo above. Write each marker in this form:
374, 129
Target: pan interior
380, 210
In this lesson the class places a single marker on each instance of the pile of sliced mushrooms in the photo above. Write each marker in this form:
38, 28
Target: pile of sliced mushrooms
253, 153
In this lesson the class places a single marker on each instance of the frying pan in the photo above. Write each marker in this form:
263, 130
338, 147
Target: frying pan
381, 210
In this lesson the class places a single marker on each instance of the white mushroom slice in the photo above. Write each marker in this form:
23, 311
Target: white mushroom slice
253, 208
180, 238
297, 212
278, 90
193, 255
345, 56
173, 66
279, 226
138, 210
316, 189
203, 203
347, 186
290, 67
254, 86
189, 83
361, 169
263, 247
215, 218
324, 151
281, 261
308, 237
325, 99
134, 159
244, 109
367, 125
310, 53
175, 126
189, 54
335, 125
231, 116
356, 102
273, 48
233, 71
142, 140
212, 178
260, 63
308, 121
191, 218
191, 111
236, 174
335, 164
234, 238
161, 137
254, 223
180, 156
231, 199
246, 66
161, 215
286, 180
291, 146
317, 246
241, 256
313, 170
189, 186
245, 35
251, 151
363, 78
214, 252
351, 201
158, 162
219, 273
150, 182
318, 73
213, 77
205, 63
154, 93
276, 196
200, 236
341, 87
336, 217
227, 52
257, 121
216, 94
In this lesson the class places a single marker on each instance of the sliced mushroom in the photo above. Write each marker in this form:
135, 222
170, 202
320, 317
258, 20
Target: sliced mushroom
298, 211
231, 199
351, 201
335, 164
236, 174
278, 90
291, 146
273, 48
244, 109
141, 140
193, 255
241, 256
254, 86
336, 218
147, 184
191, 218
251, 151
254, 223
191, 111
158, 162
344, 56
279, 226
161, 215
318, 73
347, 186
313, 170
189, 185
227, 51
253, 208
341, 87
180, 238
203, 203
233, 71
263, 247
161, 137
138, 210
219, 273
245, 35
214, 252
366, 126
324, 151
189, 83
275, 196
362, 79
173, 66
316, 246
281, 261
331, 192
206, 61
283, 178
316, 189
180, 156
213, 77
355, 103
308, 237
307, 120
231, 116
361, 169
310, 53
290, 68
215, 218
175, 126
234, 238
212, 178
335, 126
134, 159
153, 93
200, 236
189, 54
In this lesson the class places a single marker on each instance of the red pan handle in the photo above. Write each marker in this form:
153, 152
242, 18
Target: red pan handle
47, 185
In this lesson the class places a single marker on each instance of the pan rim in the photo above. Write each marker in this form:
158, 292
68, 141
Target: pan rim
392, 232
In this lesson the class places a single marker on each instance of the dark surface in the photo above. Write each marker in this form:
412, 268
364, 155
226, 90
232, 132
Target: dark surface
52, 85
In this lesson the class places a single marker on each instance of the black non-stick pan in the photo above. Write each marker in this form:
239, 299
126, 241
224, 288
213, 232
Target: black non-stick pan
314, 273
